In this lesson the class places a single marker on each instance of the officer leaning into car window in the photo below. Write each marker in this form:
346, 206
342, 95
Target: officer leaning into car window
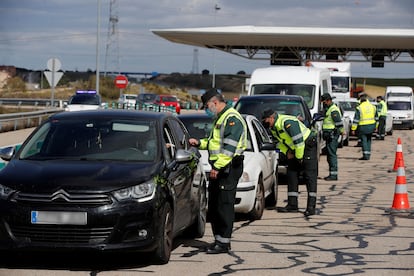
365, 121
382, 117
299, 144
332, 128
225, 144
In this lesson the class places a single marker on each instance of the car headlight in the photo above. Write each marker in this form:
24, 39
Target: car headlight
5, 192
141, 192
245, 177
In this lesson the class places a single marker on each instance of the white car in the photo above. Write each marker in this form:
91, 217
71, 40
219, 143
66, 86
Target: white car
343, 140
128, 100
349, 105
84, 100
259, 183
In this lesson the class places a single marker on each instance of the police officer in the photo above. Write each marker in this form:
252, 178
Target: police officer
225, 144
298, 143
332, 128
382, 117
365, 120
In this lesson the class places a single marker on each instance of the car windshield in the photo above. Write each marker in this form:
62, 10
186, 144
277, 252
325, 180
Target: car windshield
147, 97
307, 91
92, 99
399, 105
348, 106
98, 139
169, 99
255, 107
130, 97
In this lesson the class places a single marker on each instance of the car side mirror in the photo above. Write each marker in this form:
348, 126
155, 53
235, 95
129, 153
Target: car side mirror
7, 153
267, 146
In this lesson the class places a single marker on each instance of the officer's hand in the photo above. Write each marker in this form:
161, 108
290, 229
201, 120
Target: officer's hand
290, 155
213, 174
194, 142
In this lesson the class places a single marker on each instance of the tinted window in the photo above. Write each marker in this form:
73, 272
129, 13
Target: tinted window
306, 91
92, 99
120, 140
399, 105
255, 107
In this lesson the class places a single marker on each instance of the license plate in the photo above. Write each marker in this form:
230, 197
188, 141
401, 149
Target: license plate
49, 217
397, 122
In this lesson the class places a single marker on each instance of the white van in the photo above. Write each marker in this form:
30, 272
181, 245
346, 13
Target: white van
308, 82
400, 103
305, 81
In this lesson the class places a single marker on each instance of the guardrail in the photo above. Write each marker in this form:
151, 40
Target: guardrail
15, 121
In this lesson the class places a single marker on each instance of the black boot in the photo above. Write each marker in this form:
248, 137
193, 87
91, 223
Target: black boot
291, 207
310, 209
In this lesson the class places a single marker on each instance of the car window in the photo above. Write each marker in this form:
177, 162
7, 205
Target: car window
261, 133
197, 128
168, 99
169, 143
181, 134
85, 99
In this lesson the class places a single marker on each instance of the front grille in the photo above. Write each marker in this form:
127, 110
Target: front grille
62, 197
62, 234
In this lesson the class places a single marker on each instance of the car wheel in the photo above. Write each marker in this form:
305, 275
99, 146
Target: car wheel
259, 202
165, 236
271, 200
197, 229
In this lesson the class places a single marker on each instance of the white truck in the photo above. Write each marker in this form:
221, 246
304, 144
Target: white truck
400, 103
308, 82
340, 77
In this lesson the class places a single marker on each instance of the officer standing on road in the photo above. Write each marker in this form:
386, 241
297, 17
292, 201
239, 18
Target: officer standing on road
225, 144
332, 128
382, 117
299, 145
365, 120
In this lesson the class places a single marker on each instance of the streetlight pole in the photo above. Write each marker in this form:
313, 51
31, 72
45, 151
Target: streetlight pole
97, 45
213, 85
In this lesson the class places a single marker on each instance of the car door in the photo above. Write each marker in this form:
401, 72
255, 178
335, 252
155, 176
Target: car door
259, 136
177, 138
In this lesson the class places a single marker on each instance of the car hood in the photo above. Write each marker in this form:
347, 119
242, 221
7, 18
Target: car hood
99, 176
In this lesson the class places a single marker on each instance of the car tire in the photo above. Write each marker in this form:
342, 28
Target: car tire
165, 236
259, 202
198, 228
271, 200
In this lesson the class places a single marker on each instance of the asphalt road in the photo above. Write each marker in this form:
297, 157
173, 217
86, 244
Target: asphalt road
352, 233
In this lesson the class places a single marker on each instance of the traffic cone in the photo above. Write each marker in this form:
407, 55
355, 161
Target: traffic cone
398, 156
400, 202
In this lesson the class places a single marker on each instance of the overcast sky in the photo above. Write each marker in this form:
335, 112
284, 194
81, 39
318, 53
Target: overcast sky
33, 31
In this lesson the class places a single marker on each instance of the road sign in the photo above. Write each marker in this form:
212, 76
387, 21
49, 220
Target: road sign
53, 77
53, 64
121, 81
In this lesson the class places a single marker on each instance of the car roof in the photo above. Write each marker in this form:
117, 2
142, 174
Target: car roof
113, 114
271, 96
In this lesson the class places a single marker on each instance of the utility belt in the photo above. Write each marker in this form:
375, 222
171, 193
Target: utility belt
312, 140
236, 162
330, 134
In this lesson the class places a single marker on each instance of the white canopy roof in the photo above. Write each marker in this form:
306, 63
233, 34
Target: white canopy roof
300, 42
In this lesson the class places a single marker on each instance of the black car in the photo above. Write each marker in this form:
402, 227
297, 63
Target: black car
103, 180
283, 104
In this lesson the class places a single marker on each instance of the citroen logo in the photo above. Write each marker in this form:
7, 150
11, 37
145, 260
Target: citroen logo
60, 194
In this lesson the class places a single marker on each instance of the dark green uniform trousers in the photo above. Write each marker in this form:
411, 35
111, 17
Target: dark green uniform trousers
221, 199
331, 156
365, 132
309, 166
